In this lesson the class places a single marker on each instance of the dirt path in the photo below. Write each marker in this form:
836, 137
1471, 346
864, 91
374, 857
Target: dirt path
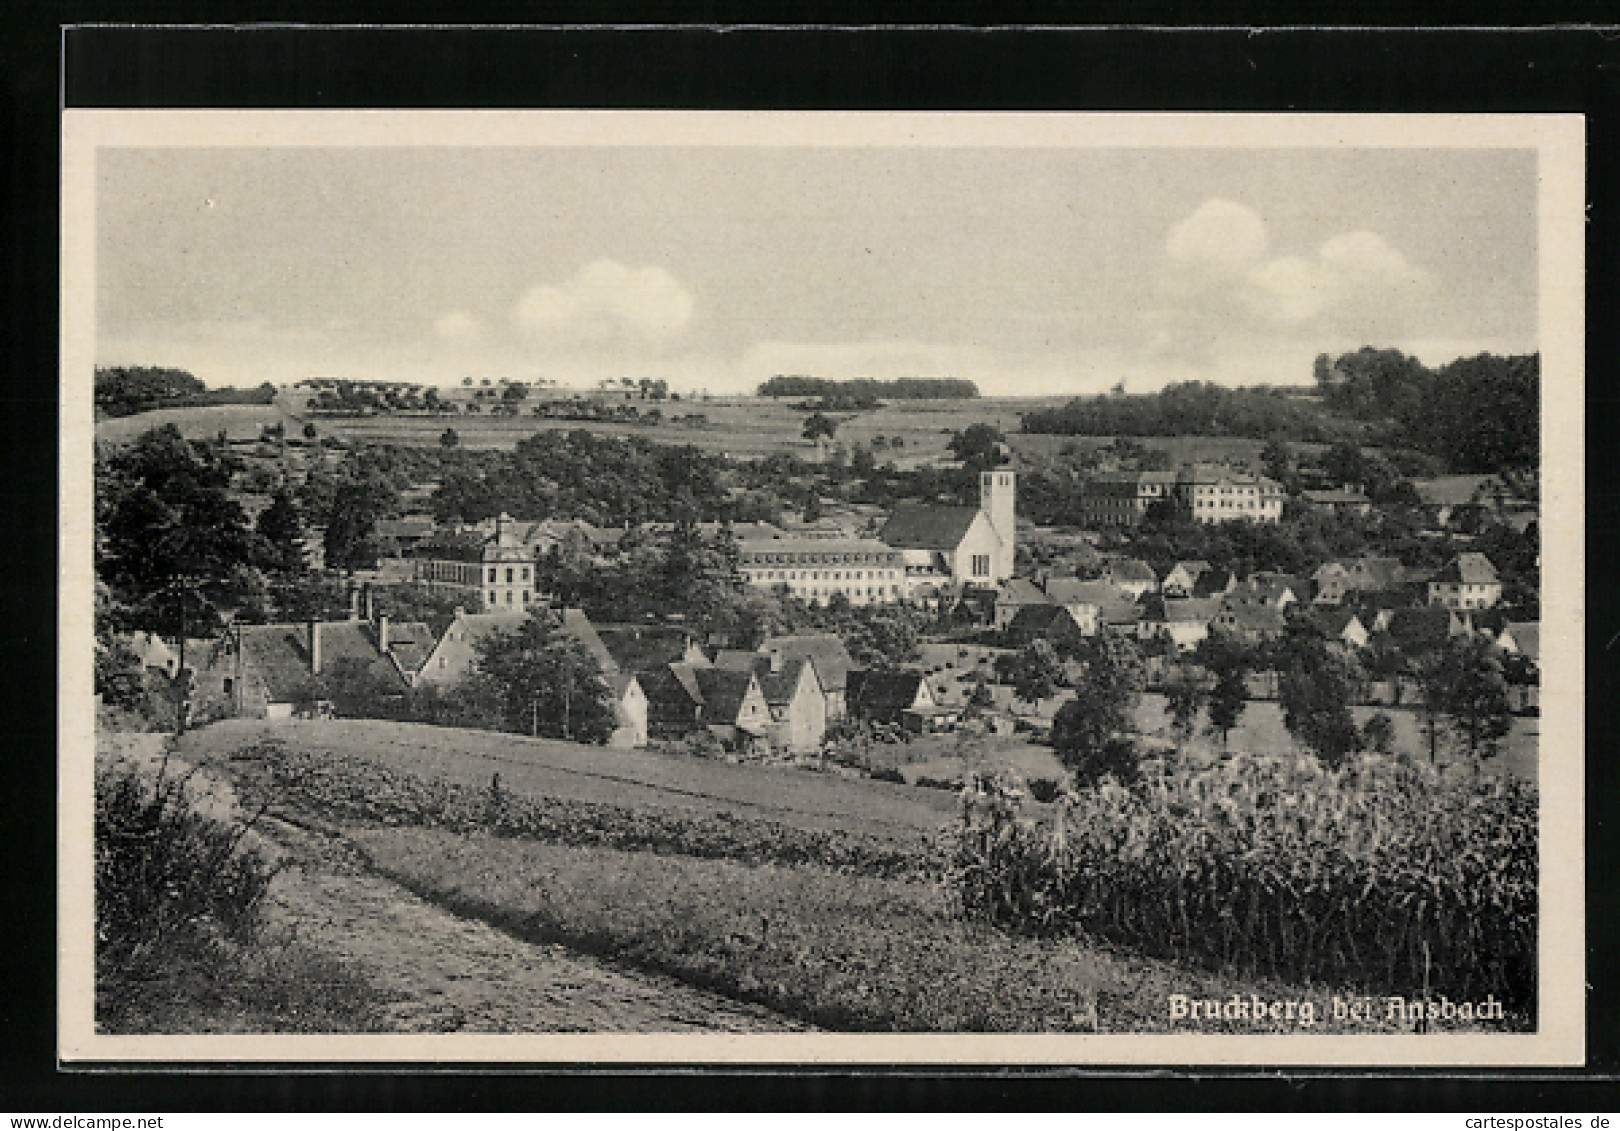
440, 973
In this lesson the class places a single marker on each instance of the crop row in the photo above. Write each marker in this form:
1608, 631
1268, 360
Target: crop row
1381, 874
348, 788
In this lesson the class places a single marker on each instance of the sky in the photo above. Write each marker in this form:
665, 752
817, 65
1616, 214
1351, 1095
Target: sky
1028, 271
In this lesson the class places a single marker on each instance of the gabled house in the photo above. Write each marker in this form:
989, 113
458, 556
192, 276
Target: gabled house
1470, 581
729, 704
1093, 603
1133, 576
899, 698
1521, 638
1055, 624
1181, 579
453, 658
833, 663
1014, 594
1186, 621
1342, 626
1336, 581
792, 690
1271, 590
273, 671
1251, 623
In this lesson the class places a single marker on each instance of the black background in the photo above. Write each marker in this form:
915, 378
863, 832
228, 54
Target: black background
716, 60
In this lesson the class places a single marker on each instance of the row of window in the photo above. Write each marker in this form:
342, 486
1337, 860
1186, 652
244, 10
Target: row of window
817, 575
494, 570
493, 601
812, 558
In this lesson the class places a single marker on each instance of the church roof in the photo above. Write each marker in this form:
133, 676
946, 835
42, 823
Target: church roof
915, 526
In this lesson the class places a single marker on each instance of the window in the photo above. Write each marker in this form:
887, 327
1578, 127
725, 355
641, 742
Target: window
525, 573
508, 596
981, 565
509, 575
525, 596
492, 573
441, 661
492, 593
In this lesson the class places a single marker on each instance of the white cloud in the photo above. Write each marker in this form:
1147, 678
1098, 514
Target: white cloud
605, 300
458, 326
1221, 283
1221, 234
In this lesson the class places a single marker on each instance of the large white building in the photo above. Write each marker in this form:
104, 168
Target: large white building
921, 552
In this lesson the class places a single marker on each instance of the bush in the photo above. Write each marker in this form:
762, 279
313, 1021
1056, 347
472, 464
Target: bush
1380, 874
1045, 790
172, 884
887, 773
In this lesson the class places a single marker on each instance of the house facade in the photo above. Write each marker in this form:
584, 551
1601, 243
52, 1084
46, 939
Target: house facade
1470, 581
1217, 495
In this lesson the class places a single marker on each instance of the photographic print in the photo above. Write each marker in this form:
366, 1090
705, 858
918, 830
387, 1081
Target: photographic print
665, 587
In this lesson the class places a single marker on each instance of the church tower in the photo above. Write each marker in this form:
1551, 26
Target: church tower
998, 490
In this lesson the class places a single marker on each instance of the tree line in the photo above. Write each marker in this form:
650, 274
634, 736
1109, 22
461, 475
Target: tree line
127, 390
867, 389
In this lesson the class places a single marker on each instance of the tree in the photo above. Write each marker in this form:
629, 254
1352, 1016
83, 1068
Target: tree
1086, 732
1378, 733
546, 683
1277, 460
1184, 697
310, 431
350, 540
1227, 700
449, 439
818, 426
1034, 672
1464, 687
282, 530
1315, 688
978, 446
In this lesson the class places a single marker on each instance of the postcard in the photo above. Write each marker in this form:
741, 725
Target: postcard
676, 588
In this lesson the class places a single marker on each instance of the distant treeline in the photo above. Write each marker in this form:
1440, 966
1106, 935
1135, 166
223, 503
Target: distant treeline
866, 389
1480, 415
125, 391
1194, 408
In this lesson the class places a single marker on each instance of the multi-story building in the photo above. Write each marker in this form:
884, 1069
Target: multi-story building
1123, 498
921, 552
1469, 582
1218, 495
863, 570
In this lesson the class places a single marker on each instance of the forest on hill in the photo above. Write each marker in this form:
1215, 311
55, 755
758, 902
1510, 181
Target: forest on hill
1480, 415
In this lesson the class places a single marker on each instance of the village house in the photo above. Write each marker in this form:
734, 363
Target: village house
1338, 580
1093, 603
454, 658
1133, 576
1183, 576
792, 690
729, 704
1521, 638
1339, 501
1186, 621
832, 661
1342, 627
1251, 623
1470, 581
1015, 594
897, 698
1055, 624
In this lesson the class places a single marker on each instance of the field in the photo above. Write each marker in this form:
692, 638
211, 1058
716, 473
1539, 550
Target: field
742, 427
844, 947
240, 421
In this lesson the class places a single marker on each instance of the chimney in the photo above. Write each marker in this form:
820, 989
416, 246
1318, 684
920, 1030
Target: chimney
371, 612
314, 647
354, 603
382, 633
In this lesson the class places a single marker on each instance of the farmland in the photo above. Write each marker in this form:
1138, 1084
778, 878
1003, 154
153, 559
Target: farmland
239, 421
668, 866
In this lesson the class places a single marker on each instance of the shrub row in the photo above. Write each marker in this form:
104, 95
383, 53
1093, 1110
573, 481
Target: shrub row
351, 788
1381, 874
